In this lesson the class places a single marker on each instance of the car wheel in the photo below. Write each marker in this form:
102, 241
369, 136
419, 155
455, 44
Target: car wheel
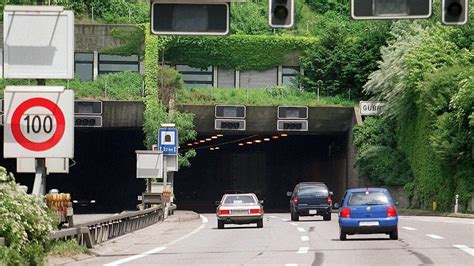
342, 235
260, 223
394, 235
220, 224
327, 216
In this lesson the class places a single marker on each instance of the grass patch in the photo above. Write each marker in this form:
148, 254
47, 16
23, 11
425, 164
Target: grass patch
66, 248
115, 86
265, 97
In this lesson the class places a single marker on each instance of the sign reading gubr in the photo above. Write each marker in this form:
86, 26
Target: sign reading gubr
39, 122
370, 108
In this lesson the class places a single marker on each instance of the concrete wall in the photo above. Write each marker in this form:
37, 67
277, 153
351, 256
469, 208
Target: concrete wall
123, 114
92, 37
262, 119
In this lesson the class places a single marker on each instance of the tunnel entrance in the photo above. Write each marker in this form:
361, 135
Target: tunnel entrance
104, 170
266, 165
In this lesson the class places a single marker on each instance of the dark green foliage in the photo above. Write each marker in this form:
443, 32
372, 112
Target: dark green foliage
378, 158
347, 53
323, 6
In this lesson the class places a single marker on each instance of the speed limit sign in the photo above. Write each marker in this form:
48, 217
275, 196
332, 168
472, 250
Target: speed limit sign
39, 122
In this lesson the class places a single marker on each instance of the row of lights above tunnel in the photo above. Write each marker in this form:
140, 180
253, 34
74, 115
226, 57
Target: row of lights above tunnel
258, 141
208, 139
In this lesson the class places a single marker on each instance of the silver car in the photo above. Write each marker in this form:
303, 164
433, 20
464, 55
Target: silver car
239, 209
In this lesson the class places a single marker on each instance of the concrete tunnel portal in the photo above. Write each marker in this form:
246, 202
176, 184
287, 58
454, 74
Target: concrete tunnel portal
105, 162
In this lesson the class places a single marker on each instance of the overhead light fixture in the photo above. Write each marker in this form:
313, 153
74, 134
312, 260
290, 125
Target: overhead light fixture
266, 139
196, 143
211, 149
208, 139
217, 148
214, 137
241, 144
220, 135
275, 137
284, 135
202, 141
190, 144
249, 142
258, 141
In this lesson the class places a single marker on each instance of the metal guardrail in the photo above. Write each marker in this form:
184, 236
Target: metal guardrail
98, 231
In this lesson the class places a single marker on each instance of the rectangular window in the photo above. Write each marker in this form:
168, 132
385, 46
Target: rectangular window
115, 63
289, 74
196, 77
84, 66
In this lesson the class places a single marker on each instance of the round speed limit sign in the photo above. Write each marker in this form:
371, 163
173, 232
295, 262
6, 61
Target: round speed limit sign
40, 124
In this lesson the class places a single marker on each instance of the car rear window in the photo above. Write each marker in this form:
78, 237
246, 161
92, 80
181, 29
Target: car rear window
246, 199
306, 191
368, 198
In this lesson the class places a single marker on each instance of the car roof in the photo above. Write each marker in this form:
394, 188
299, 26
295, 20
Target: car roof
311, 184
240, 194
370, 189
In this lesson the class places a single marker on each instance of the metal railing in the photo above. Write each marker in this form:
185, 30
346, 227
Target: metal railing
98, 231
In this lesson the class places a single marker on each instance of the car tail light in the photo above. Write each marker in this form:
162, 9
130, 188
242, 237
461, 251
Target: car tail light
391, 211
345, 213
255, 211
329, 200
295, 200
224, 212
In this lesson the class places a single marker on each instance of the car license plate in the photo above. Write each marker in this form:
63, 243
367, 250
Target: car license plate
239, 211
313, 211
374, 223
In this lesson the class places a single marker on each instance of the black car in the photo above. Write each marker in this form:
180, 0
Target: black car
310, 199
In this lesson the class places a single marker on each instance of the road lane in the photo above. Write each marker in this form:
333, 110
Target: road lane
310, 241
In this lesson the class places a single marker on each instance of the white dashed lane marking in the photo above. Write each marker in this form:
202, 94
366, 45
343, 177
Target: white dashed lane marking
435, 236
303, 250
409, 228
300, 229
466, 249
305, 238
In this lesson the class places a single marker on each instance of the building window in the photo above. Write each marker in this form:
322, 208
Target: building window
289, 74
196, 77
84, 66
115, 63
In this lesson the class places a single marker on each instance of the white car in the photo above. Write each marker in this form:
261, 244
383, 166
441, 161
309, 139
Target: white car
239, 209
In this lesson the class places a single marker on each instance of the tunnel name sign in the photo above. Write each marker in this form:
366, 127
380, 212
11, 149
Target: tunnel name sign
39, 122
370, 108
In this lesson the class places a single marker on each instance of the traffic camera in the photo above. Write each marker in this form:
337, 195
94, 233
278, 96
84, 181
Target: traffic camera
281, 13
454, 12
390, 9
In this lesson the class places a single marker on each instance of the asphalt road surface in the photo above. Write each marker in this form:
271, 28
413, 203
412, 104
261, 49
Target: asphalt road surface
311, 241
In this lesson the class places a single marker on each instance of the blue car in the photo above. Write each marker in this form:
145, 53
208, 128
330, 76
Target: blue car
368, 211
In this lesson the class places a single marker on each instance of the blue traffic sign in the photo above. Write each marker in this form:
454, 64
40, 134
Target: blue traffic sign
168, 141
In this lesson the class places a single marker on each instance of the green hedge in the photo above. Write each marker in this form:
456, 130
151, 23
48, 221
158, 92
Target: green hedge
241, 52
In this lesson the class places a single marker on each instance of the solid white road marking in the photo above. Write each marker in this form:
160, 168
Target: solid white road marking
291, 264
435, 236
303, 250
304, 238
300, 229
286, 220
466, 249
161, 248
295, 224
409, 228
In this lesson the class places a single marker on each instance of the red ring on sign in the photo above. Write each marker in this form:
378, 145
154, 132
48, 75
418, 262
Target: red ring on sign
16, 124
